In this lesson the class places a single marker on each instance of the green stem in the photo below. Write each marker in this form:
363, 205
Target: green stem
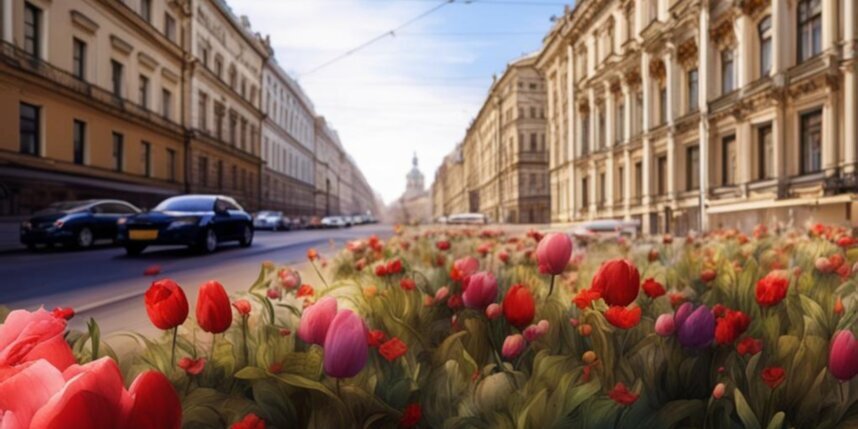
211, 352
551, 288
319, 273
173, 350
244, 340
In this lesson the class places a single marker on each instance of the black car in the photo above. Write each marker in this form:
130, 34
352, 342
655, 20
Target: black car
75, 223
198, 221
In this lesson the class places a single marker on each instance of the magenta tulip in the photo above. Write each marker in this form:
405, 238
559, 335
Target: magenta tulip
316, 320
480, 290
665, 325
345, 345
843, 356
553, 253
513, 345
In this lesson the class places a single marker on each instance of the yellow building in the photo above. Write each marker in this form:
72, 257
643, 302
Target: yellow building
689, 114
90, 102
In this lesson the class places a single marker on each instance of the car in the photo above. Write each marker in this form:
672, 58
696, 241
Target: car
75, 223
604, 230
468, 219
334, 222
315, 223
198, 221
272, 220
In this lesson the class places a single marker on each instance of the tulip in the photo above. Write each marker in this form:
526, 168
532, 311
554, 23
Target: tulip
621, 395
167, 308
289, 278
836, 261
393, 349
441, 293
731, 326
345, 345
772, 289
838, 306
503, 256
773, 376
843, 356
304, 291
652, 288
585, 329
155, 403
214, 313
588, 357
29, 336
552, 254
824, 265
394, 267
708, 275
695, 328
24, 389
375, 338
622, 317
242, 306
316, 320
664, 325
617, 281
407, 283
513, 345
442, 245
518, 306
250, 421
585, 297
718, 391
493, 311
464, 268
192, 366
410, 416
480, 290
749, 346
535, 332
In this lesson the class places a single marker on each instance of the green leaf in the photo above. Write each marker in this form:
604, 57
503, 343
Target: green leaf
746, 415
777, 421
251, 373
306, 364
95, 336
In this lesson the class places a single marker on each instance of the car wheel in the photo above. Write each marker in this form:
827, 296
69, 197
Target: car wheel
246, 237
209, 243
84, 238
134, 249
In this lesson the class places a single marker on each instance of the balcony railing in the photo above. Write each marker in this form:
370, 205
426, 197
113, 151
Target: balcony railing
15, 57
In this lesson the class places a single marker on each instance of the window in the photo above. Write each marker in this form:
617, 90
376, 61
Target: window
218, 66
726, 71
602, 195
601, 127
233, 124
29, 129
765, 152
533, 112
79, 59
203, 170
219, 112
170, 27
585, 193
809, 29
146, 9
638, 179
692, 165
220, 174
32, 30
171, 165
146, 158
811, 142
693, 93
204, 54
585, 134
728, 160
533, 142
116, 77
638, 124
661, 163
662, 104
79, 141
765, 33
166, 103
118, 149
620, 123
232, 77
143, 97
621, 183
203, 111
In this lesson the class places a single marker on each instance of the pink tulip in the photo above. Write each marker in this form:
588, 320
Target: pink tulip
441, 293
665, 325
26, 388
464, 268
553, 253
718, 391
480, 290
536, 331
28, 336
843, 356
316, 320
513, 345
493, 311
345, 345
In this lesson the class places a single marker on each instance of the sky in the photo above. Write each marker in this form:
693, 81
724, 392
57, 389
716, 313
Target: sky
413, 92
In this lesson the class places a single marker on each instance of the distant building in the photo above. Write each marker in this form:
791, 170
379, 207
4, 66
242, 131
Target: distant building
414, 206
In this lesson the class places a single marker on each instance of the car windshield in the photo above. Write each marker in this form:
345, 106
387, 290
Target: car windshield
186, 204
65, 207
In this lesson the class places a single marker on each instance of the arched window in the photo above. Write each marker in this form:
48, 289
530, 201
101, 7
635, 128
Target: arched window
764, 29
809, 29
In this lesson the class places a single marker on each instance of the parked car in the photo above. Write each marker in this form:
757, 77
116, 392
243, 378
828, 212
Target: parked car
334, 222
468, 219
198, 221
75, 223
315, 223
272, 220
603, 230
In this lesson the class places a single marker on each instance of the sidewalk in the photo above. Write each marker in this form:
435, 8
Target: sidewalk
9, 234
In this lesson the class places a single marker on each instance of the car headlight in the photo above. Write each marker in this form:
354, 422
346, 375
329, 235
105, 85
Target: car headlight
122, 221
58, 224
183, 222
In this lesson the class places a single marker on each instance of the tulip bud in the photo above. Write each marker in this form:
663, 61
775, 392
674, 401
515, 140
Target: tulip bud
518, 306
838, 306
481, 290
617, 281
585, 330
316, 320
289, 278
214, 314
345, 345
553, 253
823, 265
441, 293
166, 304
243, 306
273, 293
493, 311
589, 357
513, 345
718, 391
664, 325
843, 356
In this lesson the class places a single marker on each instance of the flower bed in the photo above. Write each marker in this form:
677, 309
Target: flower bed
473, 329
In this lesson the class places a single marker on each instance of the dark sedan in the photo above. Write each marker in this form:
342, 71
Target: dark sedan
75, 223
198, 221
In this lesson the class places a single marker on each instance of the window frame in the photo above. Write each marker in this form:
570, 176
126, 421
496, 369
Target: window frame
765, 34
79, 49
33, 42
117, 72
79, 142
36, 122
728, 71
804, 119
146, 157
692, 176
763, 161
813, 22
118, 151
692, 78
726, 165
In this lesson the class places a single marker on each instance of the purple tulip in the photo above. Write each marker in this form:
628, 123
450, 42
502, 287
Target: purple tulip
345, 345
665, 325
695, 329
316, 320
481, 289
843, 356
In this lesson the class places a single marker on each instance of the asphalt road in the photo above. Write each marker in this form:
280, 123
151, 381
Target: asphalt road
106, 284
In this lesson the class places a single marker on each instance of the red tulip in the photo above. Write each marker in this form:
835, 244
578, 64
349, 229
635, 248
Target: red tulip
192, 366
622, 317
553, 253
653, 255
214, 313
719, 390
480, 290
617, 282
345, 345
773, 376
305, 290
289, 278
621, 395
518, 306
312, 254
665, 325
250, 421
585, 297
380, 270
66, 313
155, 404
29, 336
316, 320
838, 306
707, 275
442, 245
407, 283
375, 338
393, 349
166, 304
652, 288
836, 260
394, 267
749, 346
772, 289
410, 416
843, 356
731, 326
242, 306
503, 256
455, 301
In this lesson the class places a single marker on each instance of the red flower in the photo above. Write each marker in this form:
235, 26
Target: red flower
380, 270
305, 290
621, 395
394, 267
155, 403
166, 304
617, 281
708, 275
312, 254
463, 268
243, 306
652, 288
392, 349
440, 260
213, 310
484, 249
192, 366
749, 346
410, 416
250, 421
375, 337
407, 284
772, 289
518, 306
68, 312
729, 327
845, 241
676, 299
442, 245
503, 256
836, 261
773, 376
838, 306
455, 301
653, 255
585, 297
553, 253
152, 270
622, 317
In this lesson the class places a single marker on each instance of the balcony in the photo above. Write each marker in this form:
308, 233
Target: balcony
15, 57
724, 102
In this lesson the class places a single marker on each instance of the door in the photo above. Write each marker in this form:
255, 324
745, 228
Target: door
222, 221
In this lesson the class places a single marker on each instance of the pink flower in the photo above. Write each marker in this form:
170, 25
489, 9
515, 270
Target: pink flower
537, 331
553, 253
346, 347
192, 366
665, 325
480, 290
28, 336
464, 268
316, 320
843, 356
39, 380
242, 306
441, 293
493, 311
513, 345
718, 391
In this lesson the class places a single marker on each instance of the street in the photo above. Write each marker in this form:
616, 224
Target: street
106, 284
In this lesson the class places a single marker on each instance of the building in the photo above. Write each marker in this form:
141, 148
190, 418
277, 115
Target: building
449, 194
224, 100
689, 114
288, 144
328, 159
415, 204
504, 153
90, 102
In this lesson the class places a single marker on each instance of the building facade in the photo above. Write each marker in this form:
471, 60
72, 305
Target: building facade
693, 114
504, 154
90, 102
288, 144
449, 193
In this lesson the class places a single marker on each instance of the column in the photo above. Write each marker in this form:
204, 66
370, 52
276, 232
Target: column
570, 132
592, 117
647, 146
830, 141
744, 154
829, 24
591, 183
703, 98
743, 51
551, 126
7, 20
672, 90
778, 136
850, 86
627, 183
610, 112
609, 182
780, 39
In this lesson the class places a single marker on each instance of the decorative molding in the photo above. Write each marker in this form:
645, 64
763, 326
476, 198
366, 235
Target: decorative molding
658, 70
121, 45
633, 77
84, 22
722, 33
169, 75
687, 53
753, 7
147, 61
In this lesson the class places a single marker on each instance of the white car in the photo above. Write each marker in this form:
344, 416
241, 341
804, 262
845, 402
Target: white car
468, 219
334, 222
272, 220
605, 229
